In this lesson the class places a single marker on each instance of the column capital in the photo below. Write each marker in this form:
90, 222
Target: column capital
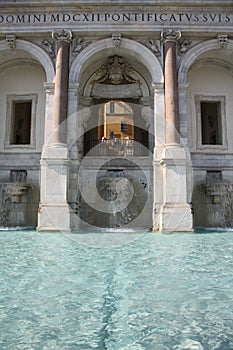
73, 86
158, 87
62, 35
85, 101
170, 35
146, 101
49, 87
183, 86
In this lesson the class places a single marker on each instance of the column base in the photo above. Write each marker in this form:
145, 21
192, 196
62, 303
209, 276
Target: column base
55, 151
173, 217
54, 210
54, 218
172, 212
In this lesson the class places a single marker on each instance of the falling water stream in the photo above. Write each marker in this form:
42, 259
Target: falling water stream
5, 206
125, 195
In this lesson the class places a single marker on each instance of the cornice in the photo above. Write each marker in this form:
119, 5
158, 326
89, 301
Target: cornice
31, 18
111, 3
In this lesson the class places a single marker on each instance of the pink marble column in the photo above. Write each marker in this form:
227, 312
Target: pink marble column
171, 86
63, 39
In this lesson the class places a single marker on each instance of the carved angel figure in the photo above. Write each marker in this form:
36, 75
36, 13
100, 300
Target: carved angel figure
184, 46
79, 45
48, 47
153, 47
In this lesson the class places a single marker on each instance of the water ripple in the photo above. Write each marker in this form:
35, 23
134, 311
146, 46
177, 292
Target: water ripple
162, 292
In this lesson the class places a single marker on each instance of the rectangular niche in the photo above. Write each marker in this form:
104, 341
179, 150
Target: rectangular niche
20, 125
211, 122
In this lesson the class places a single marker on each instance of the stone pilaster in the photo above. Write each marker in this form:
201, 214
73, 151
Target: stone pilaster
184, 129
73, 141
49, 93
159, 142
54, 210
183, 112
159, 121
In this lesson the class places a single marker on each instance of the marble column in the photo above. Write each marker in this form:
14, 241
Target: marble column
171, 87
54, 210
61, 86
172, 212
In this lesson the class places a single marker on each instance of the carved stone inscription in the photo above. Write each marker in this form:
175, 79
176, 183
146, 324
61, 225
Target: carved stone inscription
116, 91
115, 17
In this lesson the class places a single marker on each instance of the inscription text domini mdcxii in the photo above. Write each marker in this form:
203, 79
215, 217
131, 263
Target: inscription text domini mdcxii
194, 17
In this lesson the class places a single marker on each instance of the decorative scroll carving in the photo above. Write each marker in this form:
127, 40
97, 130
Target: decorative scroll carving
62, 35
222, 39
10, 40
170, 35
79, 45
48, 46
116, 71
116, 38
184, 46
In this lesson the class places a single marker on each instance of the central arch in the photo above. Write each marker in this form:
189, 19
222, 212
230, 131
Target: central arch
115, 93
129, 48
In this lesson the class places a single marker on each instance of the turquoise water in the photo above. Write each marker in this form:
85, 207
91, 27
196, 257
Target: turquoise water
116, 291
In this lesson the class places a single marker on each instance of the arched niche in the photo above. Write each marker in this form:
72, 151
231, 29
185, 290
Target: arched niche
116, 81
210, 92
26, 50
205, 50
143, 69
22, 101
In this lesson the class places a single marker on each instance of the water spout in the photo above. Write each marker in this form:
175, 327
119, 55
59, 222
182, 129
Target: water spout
11, 209
219, 200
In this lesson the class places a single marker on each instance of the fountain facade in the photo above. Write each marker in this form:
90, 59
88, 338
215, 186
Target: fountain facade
163, 101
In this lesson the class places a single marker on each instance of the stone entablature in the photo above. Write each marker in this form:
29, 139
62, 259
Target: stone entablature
194, 16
